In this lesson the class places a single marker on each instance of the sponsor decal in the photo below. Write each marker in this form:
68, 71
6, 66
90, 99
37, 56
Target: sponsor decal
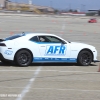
55, 50
39, 59
8, 52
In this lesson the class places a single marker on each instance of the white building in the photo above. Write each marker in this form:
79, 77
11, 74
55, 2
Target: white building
2, 3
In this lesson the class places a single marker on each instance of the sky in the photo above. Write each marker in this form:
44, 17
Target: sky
66, 4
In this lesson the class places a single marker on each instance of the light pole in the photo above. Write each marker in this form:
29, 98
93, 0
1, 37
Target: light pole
83, 7
51, 4
30, 2
70, 6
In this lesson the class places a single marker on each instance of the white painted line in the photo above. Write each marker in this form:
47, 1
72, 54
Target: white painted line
63, 27
27, 88
56, 89
79, 72
67, 89
50, 71
25, 70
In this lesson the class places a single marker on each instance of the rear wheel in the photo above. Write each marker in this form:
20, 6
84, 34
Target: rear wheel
23, 58
85, 58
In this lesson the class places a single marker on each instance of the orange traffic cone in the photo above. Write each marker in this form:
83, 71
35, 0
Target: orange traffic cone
70, 30
99, 68
84, 34
62, 32
48, 30
11, 33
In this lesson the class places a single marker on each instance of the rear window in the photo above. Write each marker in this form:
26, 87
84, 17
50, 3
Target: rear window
13, 37
34, 39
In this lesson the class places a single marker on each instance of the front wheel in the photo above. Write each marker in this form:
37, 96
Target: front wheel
85, 58
23, 58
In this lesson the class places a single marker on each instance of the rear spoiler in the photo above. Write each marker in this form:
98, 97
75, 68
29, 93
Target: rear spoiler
1, 40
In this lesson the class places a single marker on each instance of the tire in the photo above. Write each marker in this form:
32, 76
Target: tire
23, 58
85, 58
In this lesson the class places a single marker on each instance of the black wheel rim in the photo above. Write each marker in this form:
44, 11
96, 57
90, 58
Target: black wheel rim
86, 58
24, 58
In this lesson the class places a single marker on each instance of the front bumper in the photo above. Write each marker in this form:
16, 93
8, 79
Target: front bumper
1, 57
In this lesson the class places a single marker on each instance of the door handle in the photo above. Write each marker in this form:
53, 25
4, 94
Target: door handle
42, 46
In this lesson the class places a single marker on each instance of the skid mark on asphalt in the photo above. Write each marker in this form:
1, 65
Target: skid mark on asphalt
63, 28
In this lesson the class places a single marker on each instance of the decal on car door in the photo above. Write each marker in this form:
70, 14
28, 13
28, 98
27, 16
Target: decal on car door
55, 50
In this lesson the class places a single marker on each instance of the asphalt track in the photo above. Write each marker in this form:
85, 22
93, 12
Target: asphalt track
51, 81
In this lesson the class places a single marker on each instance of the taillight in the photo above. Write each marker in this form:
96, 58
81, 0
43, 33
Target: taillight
2, 44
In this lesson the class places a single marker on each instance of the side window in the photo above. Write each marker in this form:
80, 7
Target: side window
43, 39
50, 39
55, 39
34, 39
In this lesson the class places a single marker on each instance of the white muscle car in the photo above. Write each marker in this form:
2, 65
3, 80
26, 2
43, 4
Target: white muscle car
27, 48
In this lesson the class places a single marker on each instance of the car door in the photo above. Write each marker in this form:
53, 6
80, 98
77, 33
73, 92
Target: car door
34, 47
53, 49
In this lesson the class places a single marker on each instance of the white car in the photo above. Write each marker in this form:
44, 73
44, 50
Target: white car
26, 48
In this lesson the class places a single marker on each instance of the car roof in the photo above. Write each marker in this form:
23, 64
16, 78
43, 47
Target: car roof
30, 35
35, 34
27, 36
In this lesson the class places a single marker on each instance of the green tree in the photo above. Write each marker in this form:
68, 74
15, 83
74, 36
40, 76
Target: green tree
75, 11
70, 10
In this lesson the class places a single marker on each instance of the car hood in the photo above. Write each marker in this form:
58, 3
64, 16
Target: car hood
76, 45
